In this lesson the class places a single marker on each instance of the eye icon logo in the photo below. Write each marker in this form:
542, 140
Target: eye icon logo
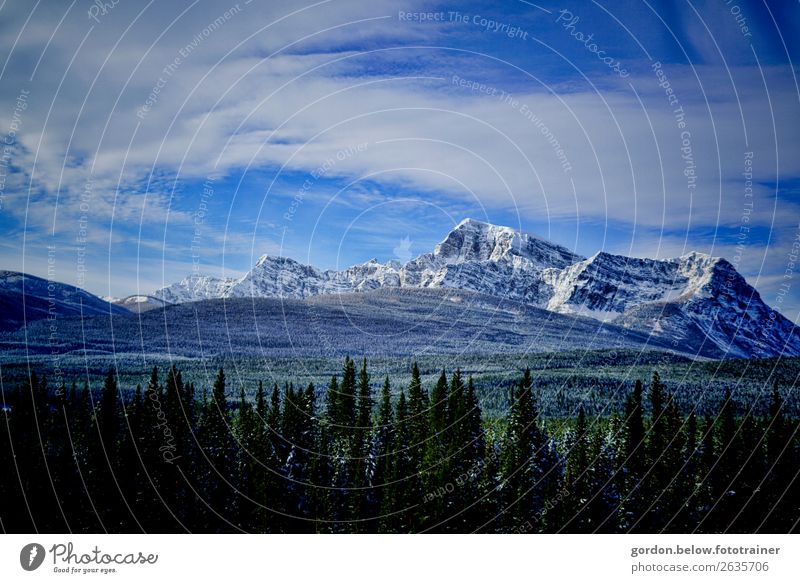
31, 556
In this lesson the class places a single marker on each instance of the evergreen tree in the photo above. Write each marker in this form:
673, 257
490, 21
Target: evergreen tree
577, 479
781, 458
108, 494
706, 490
218, 447
727, 467
634, 459
524, 476
399, 505
471, 460
686, 494
418, 433
247, 472
439, 468
383, 444
417, 418
362, 455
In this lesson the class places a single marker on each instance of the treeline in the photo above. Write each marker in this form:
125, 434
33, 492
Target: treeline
364, 458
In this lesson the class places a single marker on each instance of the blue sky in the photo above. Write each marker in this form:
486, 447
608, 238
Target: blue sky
200, 135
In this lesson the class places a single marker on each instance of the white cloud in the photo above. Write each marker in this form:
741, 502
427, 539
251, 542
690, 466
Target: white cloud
218, 113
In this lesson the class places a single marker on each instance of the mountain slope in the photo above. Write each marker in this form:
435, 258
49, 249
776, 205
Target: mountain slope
692, 299
28, 298
386, 322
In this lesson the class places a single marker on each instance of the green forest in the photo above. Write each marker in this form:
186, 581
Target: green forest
364, 456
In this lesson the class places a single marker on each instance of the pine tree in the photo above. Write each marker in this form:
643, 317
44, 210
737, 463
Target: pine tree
108, 415
524, 475
417, 418
676, 489
577, 478
780, 466
247, 464
439, 468
346, 400
384, 440
108, 495
686, 494
266, 487
751, 502
634, 459
657, 439
362, 455
274, 423
471, 460
706, 490
218, 447
727, 467
418, 434
401, 495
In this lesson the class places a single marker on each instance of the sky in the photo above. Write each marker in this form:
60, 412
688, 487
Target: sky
144, 142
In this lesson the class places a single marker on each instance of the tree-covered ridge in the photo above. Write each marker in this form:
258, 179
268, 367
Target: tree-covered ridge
368, 456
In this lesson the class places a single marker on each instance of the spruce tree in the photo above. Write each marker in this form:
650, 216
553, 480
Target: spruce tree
524, 475
217, 443
634, 459
399, 512
418, 434
362, 454
577, 479
384, 438
781, 466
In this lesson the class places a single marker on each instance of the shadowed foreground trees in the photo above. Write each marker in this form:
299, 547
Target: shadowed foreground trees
380, 458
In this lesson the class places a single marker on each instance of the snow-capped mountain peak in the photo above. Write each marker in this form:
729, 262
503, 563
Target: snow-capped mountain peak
694, 298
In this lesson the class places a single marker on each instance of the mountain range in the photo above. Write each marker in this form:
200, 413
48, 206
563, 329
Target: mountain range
694, 301
511, 291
